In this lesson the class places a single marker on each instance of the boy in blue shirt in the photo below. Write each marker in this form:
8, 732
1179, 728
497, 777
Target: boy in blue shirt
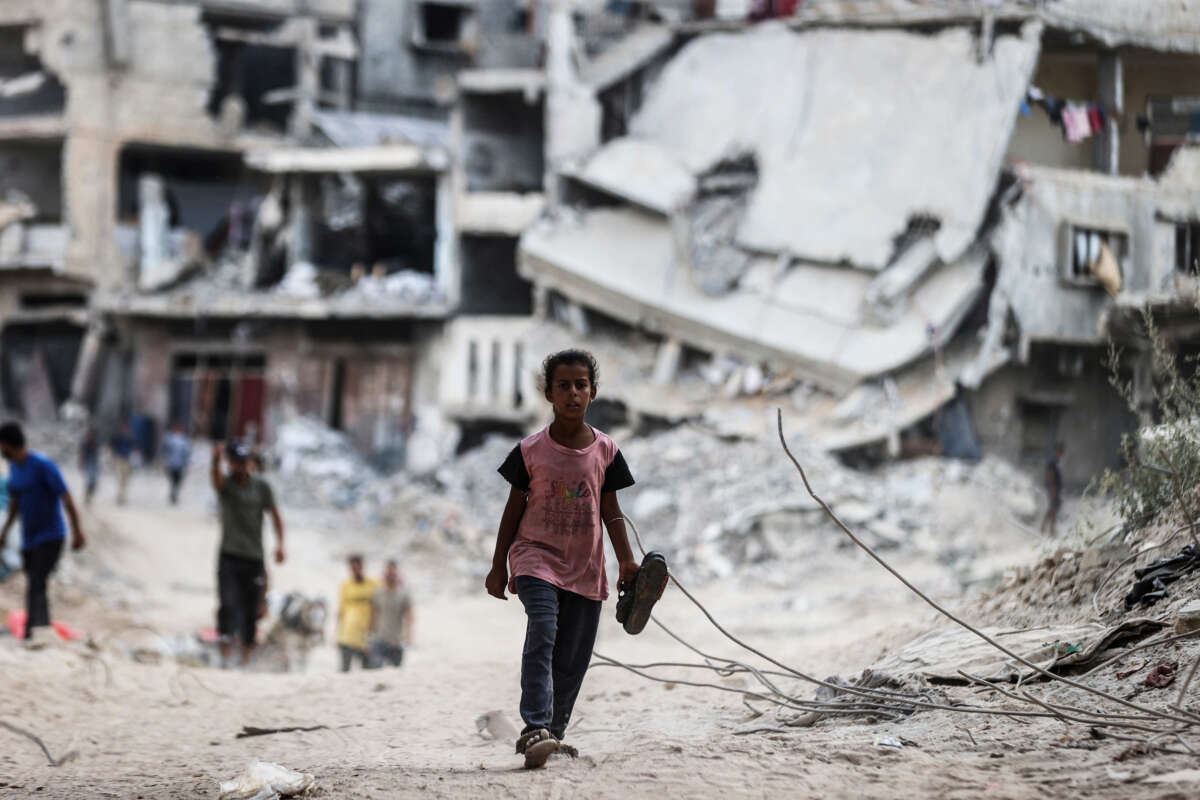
37, 493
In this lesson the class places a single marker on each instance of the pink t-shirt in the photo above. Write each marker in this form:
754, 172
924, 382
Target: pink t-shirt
560, 538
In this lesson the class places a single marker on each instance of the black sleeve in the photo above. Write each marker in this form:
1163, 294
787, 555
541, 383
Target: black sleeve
514, 471
617, 476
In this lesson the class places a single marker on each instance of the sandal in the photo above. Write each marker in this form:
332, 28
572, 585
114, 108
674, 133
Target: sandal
537, 746
636, 598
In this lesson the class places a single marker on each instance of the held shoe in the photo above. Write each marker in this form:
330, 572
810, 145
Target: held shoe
636, 598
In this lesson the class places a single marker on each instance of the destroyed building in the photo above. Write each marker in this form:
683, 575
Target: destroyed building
914, 224
221, 212
935, 214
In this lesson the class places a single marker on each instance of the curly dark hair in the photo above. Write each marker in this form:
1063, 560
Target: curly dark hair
572, 357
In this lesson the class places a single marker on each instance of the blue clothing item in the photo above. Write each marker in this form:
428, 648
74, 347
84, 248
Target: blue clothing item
559, 636
122, 445
37, 485
177, 451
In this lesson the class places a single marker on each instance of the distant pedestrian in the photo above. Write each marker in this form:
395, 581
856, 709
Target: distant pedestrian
391, 620
89, 461
1054, 487
354, 614
38, 494
122, 446
241, 572
177, 455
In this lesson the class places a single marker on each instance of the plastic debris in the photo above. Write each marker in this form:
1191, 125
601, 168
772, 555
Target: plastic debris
889, 741
263, 780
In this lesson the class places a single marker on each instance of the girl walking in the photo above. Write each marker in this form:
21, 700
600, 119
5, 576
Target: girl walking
550, 551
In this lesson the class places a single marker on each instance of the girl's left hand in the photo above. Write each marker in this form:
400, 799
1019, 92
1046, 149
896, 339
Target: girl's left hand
629, 571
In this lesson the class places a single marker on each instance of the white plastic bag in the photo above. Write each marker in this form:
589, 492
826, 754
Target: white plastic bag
263, 780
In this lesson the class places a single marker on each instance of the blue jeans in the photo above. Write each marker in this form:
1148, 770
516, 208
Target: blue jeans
558, 648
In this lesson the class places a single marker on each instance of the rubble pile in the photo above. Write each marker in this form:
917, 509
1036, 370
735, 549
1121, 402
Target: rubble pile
410, 286
319, 463
1107, 579
711, 505
1058, 588
715, 506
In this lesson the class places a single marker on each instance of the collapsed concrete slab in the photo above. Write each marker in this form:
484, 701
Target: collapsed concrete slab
624, 261
626, 56
834, 187
641, 171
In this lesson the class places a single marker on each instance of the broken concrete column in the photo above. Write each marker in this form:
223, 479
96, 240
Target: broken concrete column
308, 77
666, 363
83, 382
573, 114
302, 230
899, 278
154, 217
447, 267
1110, 74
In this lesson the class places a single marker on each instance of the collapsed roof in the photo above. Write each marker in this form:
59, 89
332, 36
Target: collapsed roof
854, 132
851, 137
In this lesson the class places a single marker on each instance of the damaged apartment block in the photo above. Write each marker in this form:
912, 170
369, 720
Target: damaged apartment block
364, 212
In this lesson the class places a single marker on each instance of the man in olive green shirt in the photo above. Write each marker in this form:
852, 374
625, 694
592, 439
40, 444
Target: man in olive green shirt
241, 574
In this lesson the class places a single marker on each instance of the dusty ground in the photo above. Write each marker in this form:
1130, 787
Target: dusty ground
161, 730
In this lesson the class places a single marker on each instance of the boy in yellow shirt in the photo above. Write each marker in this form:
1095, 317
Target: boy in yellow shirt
354, 614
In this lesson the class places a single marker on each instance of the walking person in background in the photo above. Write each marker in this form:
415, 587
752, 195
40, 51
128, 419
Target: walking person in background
1054, 486
89, 461
241, 573
38, 494
391, 620
177, 454
354, 614
122, 446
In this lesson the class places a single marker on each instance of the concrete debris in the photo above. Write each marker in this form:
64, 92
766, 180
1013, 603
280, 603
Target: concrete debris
627, 55
368, 129
22, 84
1188, 618
623, 262
300, 280
718, 264
415, 288
860, 97
642, 172
319, 463
941, 654
332, 160
16, 207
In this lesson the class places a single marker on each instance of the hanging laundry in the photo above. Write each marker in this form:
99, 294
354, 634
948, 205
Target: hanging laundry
1095, 119
1054, 109
1106, 270
1075, 122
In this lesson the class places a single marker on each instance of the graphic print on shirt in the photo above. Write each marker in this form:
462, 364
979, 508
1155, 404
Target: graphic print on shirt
570, 508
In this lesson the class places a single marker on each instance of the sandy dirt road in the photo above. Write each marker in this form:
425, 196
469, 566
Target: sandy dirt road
161, 730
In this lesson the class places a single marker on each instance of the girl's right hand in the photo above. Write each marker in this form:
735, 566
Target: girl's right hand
496, 581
